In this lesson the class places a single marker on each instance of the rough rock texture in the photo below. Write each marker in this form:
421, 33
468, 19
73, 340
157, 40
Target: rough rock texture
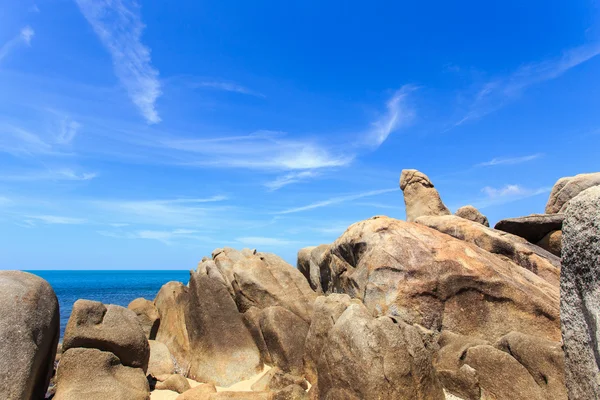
375, 358
147, 315
580, 295
533, 227
199, 392
161, 362
29, 331
552, 242
472, 214
252, 322
276, 379
235, 396
432, 279
204, 331
92, 374
291, 392
420, 197
504, 245
176, 383
263, 280
309, 259
567, 188
284, 333
327, 310
108, 328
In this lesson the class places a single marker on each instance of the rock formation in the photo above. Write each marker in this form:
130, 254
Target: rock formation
147, 315
533, 228
420, 197
580, 295
472, 214
29, 331
161, 361
567, 188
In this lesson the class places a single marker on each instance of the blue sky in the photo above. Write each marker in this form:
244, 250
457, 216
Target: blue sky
144, 135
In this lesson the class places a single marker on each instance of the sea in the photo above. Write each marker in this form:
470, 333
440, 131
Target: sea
109, 287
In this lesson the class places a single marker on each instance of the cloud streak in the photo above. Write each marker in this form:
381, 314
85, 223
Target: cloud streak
23, 38
336, 200
166, 237
259, 241
119, 26
56, 220
509, 160
63, 174
227, 87
288, 179
506, 194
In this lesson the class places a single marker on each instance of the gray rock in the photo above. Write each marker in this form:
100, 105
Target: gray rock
29, 331
309, 260
533, 227
580, 295
92, 374
108, 328
567, 188
420, 196
472, 214
147, 315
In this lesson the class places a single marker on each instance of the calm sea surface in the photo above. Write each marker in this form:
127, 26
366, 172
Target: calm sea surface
109, 287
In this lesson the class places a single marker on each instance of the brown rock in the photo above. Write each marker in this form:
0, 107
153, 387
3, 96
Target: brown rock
533, 227
252, 321
375, 358
284, 333
147, 315
108, 328
199, 392
291, 392
552, 242
508, 247
176, 383
420, 197
29, 331
309, 260
276, 379
472, 214
92, 374
161, 362
567, 188
204, 331
432, 279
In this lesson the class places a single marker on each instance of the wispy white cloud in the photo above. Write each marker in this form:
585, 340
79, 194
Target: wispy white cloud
68, 130
258, 241
16, 140
509, 160
55, 219
288, 179
34, 9
23, 38
62, 174
227, 87
506, 194
167, 237
119, 26
398, 115
336, 200
497, 92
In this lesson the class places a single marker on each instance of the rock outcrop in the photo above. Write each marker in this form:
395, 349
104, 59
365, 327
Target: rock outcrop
552, 242
201, 326
29, 331
567, 188
580, 295
420, 196
375, 358
472, 214
147, 315
504, 245
92, 374
533, 227
276, 379
176, 383
161, 362
309, 259
108, 328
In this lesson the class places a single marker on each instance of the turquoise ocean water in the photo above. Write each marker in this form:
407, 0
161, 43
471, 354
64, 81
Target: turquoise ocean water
109, 287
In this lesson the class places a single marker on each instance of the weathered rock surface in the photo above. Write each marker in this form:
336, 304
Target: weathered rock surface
147, 315
420, 196
309, 259
284, 333
472, 214
108, 328
175, 382
92, 374
199, 392
533, 227
506, 246
29, 331
204, 331
161, 362
567, 188
291, 392
432, 279
375, 358
276, 379
252, 321
580, 295
263, 280
552, 243
327, 310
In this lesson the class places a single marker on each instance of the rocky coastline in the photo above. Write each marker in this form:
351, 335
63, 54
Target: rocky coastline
439, 306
